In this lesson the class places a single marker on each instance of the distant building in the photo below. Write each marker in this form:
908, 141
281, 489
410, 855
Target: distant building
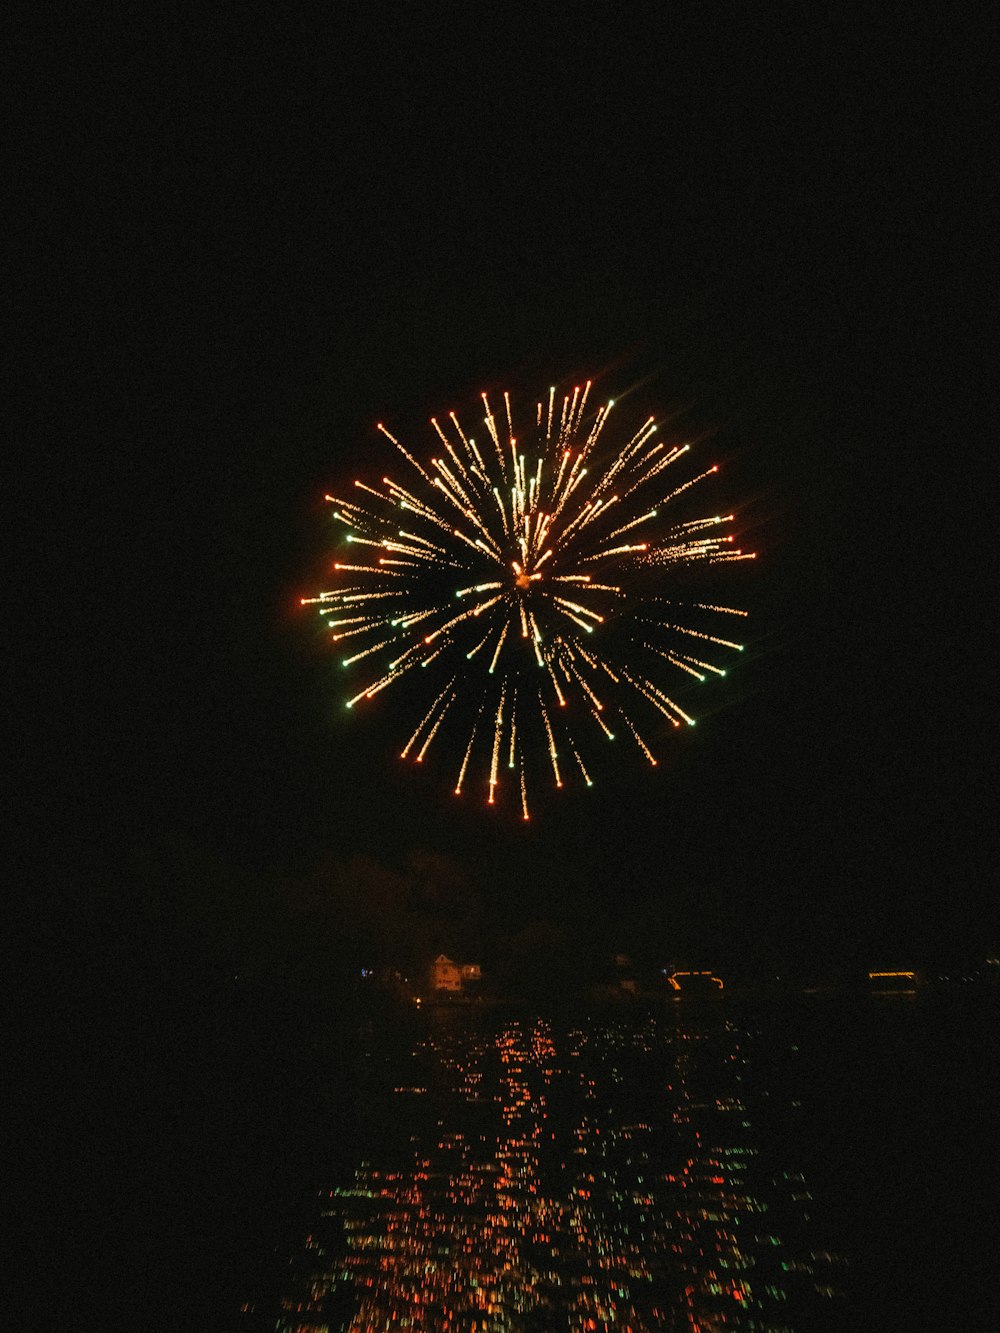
893, 982
446, 975
451, 978
694, 982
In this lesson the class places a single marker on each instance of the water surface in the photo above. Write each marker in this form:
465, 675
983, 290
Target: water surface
697, 1166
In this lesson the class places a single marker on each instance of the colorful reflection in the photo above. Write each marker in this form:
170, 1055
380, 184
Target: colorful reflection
598, 1178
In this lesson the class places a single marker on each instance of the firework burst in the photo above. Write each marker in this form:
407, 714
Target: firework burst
520, 583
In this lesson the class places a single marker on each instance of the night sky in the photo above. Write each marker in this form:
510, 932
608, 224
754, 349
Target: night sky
249, 238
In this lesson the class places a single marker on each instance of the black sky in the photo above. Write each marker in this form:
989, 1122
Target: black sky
248, 238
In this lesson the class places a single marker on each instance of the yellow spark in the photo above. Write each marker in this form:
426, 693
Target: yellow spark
688, 484
589, 693
705, 666
634, 523
366, 569
361, 695
581, 610
697, 634
489, 420
726, 610
583, 404
424, 720
586, 775
553, 756
480, 466
617, 550
366, 628
461, 432
536, 638
657, 697
479, 587
679, 662
496, 655
378, 494
465, 761
462, 615
642, 744
555, 683
366, 652
472, 652
603, 725
433, 731
497, 733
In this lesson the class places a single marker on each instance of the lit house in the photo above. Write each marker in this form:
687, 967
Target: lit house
893, 982
697, 983
449, 978
446, 975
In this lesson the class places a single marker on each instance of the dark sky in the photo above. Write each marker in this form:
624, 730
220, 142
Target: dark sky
247, 239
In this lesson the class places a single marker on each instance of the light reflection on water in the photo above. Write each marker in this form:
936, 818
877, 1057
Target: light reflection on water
526, 1175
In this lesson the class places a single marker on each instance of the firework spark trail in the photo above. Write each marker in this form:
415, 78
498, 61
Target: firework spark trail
563, 627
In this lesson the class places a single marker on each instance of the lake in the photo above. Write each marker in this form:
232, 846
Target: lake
809, 1163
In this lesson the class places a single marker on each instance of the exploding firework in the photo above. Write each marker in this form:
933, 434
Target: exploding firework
520, 583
